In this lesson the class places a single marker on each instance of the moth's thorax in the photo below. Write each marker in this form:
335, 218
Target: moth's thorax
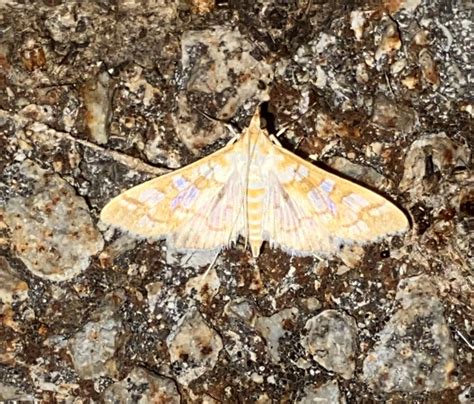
255, 142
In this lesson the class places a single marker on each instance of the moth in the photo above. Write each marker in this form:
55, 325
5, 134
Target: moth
255, 189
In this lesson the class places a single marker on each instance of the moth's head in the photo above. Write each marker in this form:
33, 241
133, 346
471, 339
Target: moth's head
255, 121
257, 126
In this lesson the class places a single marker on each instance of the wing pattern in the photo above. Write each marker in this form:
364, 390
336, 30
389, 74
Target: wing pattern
309, 210
196, 207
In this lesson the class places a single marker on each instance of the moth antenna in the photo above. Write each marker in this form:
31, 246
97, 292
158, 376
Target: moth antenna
235, 132
211, 265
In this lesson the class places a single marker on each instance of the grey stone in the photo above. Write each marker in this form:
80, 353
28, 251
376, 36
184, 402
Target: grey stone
52, 230
415, 352
142, 387
328, 393
272, 329
193, 347
331, 340
93, 347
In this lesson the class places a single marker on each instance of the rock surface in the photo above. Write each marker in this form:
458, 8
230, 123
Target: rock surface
272, 329
416, 351
96, 97
140, 386
93, 346
331, 338
193, 347
51, 231
328, 393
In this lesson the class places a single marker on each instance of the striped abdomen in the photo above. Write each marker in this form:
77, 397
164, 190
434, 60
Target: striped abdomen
255, 195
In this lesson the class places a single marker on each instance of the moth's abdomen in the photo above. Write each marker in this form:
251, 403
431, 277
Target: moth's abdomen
255, 195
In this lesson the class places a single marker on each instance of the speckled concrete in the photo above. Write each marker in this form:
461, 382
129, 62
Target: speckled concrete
97, 96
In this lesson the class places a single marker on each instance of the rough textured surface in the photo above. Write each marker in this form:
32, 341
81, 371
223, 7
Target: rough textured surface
193, 347
212, 60
272, 329
51, 230
92, 348
415, 351
140, 386
331, 340
97, 96
327, 393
